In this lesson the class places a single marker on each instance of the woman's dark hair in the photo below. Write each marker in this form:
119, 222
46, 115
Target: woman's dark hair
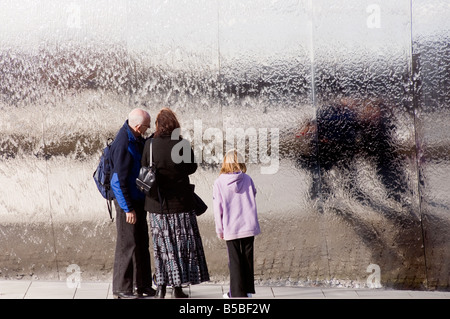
166, 121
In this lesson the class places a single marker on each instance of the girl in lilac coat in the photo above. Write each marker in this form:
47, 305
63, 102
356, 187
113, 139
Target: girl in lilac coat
236, 221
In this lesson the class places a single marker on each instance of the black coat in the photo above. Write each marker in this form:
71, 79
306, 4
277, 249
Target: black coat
172, 175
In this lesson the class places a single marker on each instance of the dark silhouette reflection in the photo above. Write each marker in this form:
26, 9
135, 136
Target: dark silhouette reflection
376, 143
345, 131
357, 168
336, 137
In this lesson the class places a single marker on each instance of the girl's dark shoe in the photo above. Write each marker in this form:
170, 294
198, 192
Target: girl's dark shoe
177, 292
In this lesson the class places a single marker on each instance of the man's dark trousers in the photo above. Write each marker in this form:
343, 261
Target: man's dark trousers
132, 256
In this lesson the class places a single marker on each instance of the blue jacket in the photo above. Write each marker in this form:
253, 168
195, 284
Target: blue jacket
126, 154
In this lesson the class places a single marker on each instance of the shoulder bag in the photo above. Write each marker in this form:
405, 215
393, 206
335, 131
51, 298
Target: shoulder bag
147, 175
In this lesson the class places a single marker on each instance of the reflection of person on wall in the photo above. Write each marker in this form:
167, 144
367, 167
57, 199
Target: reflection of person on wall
375, 142
331, 140
336, 135
348, 128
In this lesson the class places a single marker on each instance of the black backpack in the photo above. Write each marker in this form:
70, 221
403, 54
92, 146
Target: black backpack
102, 176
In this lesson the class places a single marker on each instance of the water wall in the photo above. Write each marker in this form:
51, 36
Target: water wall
341, 107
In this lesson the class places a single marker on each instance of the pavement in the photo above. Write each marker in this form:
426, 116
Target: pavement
38, 289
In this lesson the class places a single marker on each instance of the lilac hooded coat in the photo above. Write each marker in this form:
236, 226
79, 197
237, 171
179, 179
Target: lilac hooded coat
234, 202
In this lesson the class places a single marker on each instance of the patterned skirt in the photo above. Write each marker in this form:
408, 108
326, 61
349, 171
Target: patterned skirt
178, 249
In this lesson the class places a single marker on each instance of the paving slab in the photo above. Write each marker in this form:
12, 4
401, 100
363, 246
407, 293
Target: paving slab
340, 293
206, 291
91, 290
429, 294
50, 290
13, 289
383, 294
297, 293
263, 292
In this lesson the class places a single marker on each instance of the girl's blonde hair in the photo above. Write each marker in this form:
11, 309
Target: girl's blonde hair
233, 163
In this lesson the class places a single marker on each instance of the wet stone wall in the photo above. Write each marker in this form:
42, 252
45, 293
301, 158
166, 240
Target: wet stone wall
341, 108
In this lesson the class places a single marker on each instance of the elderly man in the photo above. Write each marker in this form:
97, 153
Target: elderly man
132, 255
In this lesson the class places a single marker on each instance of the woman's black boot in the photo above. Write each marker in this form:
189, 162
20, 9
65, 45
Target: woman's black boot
160, 292
177, 292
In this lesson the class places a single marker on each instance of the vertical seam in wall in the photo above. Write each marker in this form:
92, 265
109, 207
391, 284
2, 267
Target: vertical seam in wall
416, 140
218, 34
316, 136
219, 79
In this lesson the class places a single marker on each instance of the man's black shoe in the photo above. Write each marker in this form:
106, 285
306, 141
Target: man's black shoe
125, 295
146, 292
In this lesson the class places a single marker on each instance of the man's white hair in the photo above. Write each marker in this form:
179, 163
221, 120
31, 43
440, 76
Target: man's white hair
137, 117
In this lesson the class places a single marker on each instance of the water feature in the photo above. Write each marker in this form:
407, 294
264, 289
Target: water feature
347, 104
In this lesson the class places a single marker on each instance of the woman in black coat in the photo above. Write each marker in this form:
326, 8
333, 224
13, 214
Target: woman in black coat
177, 245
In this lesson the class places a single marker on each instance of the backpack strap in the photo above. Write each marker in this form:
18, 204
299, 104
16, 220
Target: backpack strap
109, 201
151, 152
109, 204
